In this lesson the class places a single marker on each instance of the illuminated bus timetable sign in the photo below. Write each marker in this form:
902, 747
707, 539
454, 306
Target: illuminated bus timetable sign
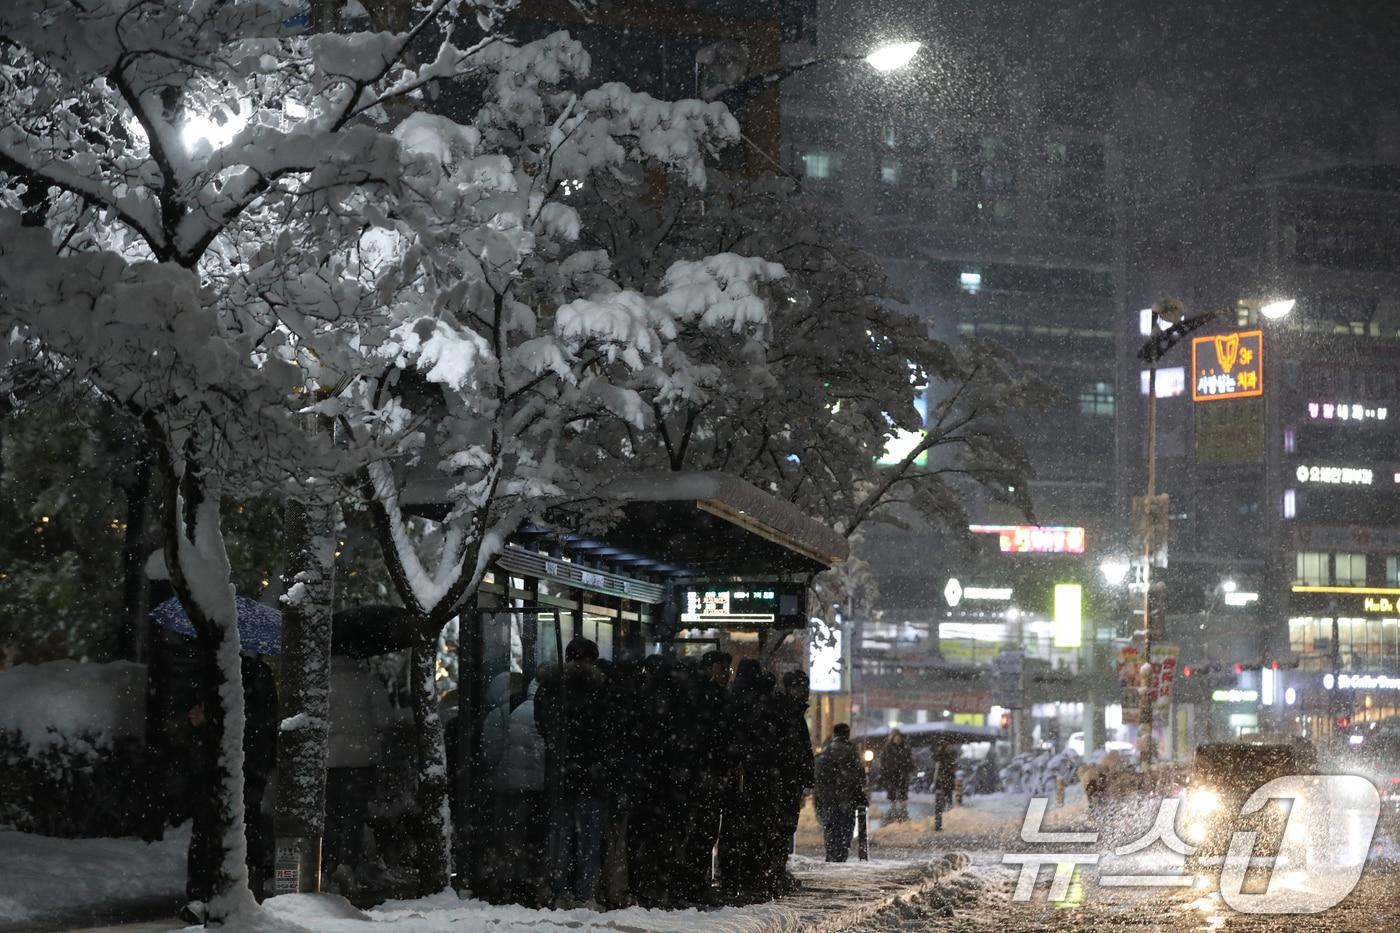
1227, 366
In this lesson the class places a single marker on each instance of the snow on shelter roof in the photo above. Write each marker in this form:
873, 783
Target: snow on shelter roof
688, 524
739, 504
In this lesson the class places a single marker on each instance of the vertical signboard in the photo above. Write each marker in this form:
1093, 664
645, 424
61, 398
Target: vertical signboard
1231, 432
1069, 615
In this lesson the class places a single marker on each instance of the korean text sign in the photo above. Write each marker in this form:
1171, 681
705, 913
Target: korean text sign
1227, 366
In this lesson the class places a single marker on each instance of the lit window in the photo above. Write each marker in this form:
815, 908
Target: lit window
1171, 381
1313, 568
1290, 503
971, 282
1392, 571
889, 173
1145, 319
1096, 399
1350, 569
816, 164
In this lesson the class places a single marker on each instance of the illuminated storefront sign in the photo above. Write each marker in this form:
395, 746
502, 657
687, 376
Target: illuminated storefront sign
1069, 615
1227, 366
1240, 598
1361, 682
1346, 411
1335, 476
954, 592
1380, 604
1235, 696
1035, 539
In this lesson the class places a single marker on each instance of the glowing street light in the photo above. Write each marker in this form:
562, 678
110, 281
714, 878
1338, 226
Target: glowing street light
894, 56
1229, 586
1277, 309
197, 127
1114, 570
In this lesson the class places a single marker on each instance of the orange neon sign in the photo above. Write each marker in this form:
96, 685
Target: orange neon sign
1227, 366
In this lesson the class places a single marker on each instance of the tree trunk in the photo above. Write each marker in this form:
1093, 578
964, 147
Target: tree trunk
305, 707
435, 831
200, 574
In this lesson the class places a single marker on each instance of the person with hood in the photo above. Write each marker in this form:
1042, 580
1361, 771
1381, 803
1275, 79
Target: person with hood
839, 788
795, 773
945, 779
896, 770
513, 752
570, 714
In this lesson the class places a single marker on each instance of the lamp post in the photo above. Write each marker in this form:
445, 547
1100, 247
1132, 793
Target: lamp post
1173, 311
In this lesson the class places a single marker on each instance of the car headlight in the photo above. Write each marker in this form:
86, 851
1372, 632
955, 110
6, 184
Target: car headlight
1202, 802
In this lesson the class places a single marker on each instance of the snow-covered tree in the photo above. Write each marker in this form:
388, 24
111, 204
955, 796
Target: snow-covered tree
181, 185
806, 406
511, 347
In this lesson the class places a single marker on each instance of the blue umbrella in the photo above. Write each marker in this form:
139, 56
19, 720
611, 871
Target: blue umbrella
259, 626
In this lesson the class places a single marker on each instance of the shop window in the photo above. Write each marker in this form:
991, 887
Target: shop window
1313, 568
1096, 399
1350, 569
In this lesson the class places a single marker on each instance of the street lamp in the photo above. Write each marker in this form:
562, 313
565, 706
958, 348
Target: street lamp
892, 57
1114, 570
1278, 309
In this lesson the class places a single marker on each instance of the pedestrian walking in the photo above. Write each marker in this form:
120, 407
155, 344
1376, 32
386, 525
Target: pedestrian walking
707, 798
945, 778
896, 769
839, 788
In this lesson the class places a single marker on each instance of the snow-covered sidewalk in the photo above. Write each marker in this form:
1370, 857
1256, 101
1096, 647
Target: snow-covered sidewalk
44, 880
833, 897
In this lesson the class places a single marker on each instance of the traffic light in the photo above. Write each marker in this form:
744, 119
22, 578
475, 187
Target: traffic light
1343, 722
1239, 668
1186, 671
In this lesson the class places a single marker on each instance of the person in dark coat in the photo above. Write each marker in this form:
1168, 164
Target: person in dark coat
749, 801
707, 797
669, 771
571, 717
896, 770
795, 773
839, 788
945, 779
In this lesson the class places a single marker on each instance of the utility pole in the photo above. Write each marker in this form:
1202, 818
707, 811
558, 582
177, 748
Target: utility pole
1153, 510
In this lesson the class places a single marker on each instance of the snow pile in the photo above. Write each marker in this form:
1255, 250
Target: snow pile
448, 913
1035, 772
72, 879
73, 705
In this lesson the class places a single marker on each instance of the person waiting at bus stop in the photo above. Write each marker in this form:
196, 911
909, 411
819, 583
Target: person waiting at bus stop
570, 715
839, 789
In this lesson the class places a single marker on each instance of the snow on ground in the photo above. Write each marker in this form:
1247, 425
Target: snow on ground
991, 820
830, 887
41, 876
